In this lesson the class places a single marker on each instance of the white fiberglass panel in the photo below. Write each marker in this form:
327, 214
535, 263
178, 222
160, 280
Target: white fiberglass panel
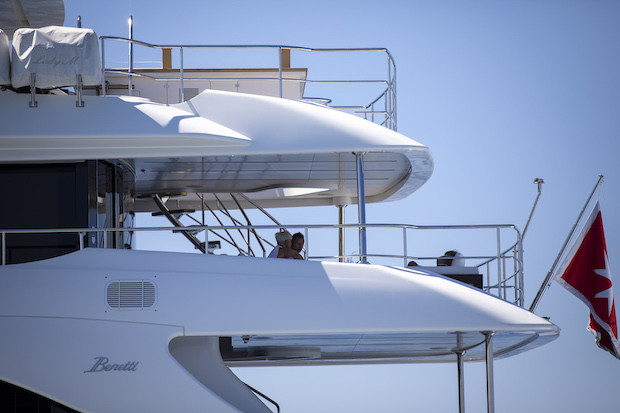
333, 173
294, 145
106, 127
219, 142
389, 312
283, 126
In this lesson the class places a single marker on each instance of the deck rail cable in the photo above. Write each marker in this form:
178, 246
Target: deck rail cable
247, 219
228, 237
222, 208
501, 278
388, 96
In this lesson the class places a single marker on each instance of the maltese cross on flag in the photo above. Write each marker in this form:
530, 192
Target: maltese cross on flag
585, 273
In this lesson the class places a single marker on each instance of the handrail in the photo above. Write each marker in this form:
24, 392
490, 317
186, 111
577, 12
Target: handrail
504, 279
262, 226
388, 95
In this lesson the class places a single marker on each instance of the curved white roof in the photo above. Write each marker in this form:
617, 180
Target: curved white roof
284, 126
283, 152
305, 147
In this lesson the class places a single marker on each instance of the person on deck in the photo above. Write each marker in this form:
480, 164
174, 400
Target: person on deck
298, 242
283, 249
451, 258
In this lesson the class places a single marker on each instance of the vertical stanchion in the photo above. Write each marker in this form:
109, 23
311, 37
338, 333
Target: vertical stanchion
280, 68
103, 67
388, 95
459, 366
306, 239
341, 233
405, 247
182, 75
361, 206
499, 267
130, 83
488, 335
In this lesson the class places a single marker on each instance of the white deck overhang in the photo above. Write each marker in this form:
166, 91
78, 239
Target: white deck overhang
281, 152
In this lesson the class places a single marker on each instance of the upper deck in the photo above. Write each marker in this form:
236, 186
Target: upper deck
181, 141
254, 129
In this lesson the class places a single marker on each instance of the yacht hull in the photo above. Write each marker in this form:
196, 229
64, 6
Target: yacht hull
139, 330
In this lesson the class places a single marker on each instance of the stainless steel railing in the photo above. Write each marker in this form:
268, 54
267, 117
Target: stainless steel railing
501, 266
383, 105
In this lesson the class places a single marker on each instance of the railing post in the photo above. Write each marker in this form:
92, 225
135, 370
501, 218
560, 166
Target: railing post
499, 265
307, 240
341, 233
394, 101
388, 96
488, 277
103, 67
33, 90
280, 68
461, 380
521, 282
386, 110
515, 271
78, 89
404, 246
181, 71
361, 206
488, 335
130, 82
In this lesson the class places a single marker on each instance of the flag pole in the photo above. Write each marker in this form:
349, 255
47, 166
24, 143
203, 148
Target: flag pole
547, 281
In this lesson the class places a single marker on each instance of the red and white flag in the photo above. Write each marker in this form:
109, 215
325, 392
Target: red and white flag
585, 273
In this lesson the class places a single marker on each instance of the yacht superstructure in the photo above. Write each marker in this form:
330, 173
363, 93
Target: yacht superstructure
79, 300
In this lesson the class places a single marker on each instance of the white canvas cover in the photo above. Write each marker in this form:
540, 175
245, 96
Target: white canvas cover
56, 55
5, 61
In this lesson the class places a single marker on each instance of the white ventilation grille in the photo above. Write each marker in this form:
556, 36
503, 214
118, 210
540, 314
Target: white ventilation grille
130, 295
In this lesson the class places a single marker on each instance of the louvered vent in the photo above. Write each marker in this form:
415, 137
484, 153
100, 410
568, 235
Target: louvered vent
131, 295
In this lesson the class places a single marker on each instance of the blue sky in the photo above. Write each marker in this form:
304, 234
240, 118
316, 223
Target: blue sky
501, 92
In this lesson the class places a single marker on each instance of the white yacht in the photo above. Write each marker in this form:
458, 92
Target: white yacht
91, 322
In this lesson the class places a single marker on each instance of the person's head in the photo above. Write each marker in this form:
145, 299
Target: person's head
283, 238
297, 242
446, 259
